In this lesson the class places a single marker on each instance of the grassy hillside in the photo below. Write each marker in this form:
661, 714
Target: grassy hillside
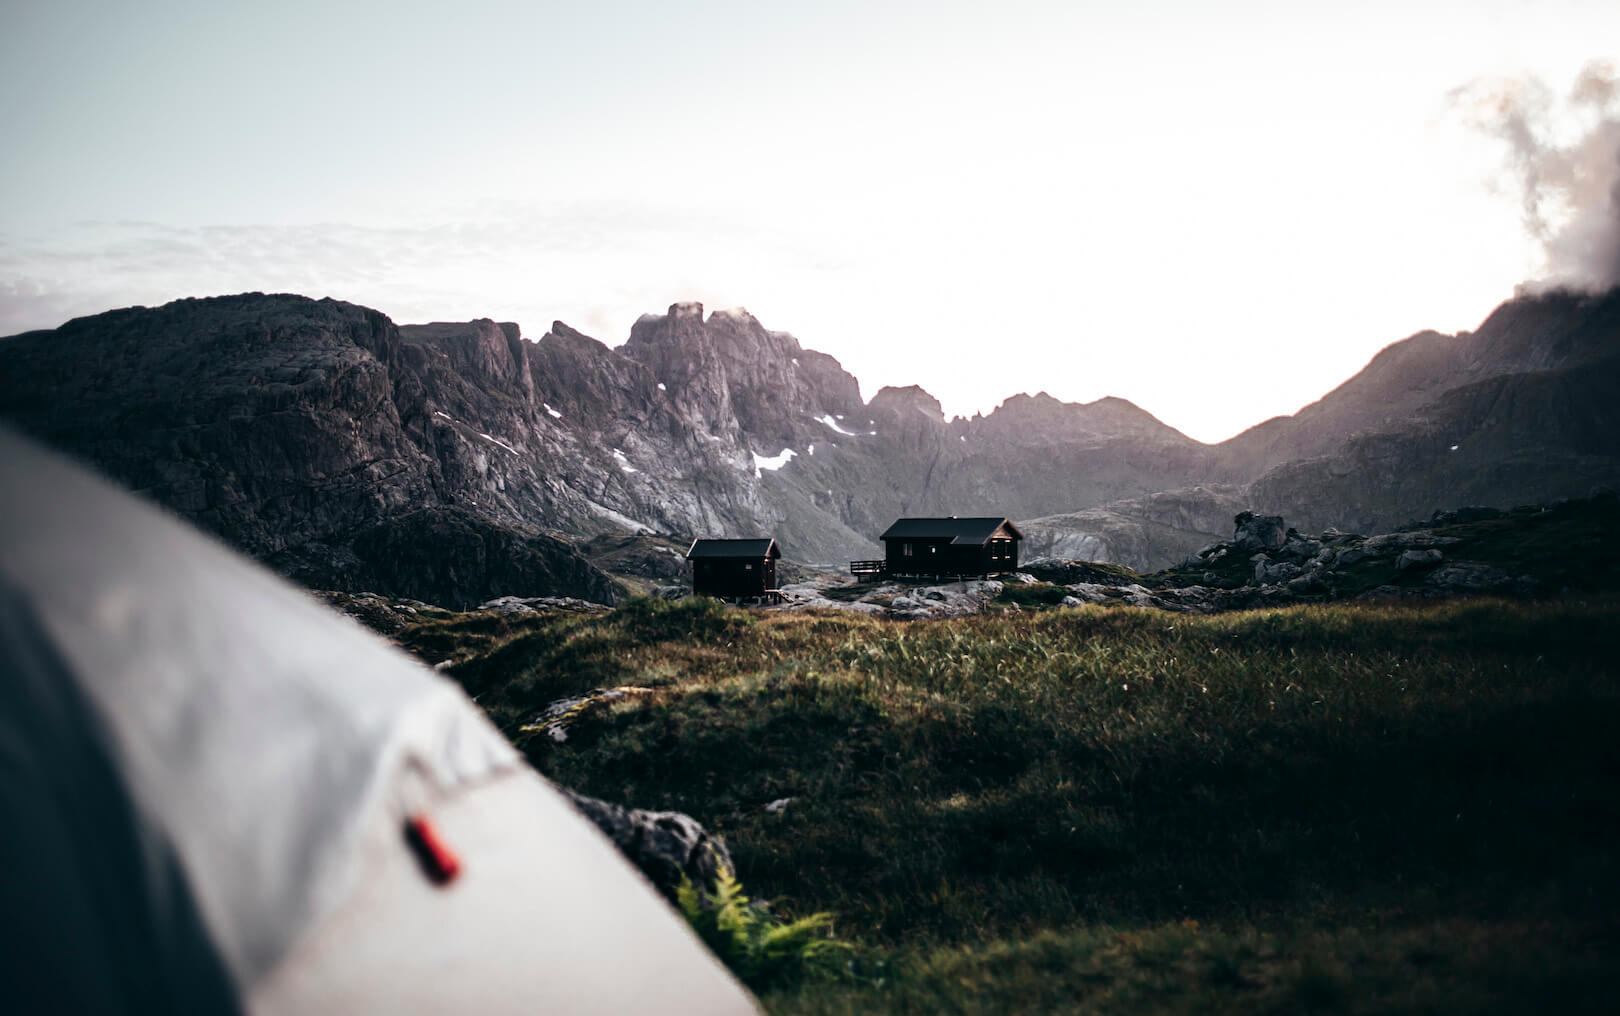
1349, 808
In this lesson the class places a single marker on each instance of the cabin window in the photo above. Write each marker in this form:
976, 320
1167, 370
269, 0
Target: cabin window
749, 566
933, 548
905, 550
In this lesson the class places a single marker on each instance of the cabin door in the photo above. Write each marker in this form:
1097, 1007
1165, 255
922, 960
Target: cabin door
1001, 555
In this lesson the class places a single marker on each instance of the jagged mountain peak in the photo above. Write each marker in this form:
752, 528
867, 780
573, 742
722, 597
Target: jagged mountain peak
561, 330
893, 398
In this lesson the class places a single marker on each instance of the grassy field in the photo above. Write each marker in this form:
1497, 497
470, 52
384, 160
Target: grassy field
1345, 808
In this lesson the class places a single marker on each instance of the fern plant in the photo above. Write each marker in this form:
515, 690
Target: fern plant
761, 949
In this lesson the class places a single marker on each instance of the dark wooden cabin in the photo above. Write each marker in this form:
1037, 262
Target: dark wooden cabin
734, 569
951, 546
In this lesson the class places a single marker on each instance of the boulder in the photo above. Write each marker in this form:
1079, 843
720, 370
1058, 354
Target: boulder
1417, 559
1470, 577
1387, 542
1268, 572
1299, 549
1253, 532
665, 845
1347, 556
1304, 584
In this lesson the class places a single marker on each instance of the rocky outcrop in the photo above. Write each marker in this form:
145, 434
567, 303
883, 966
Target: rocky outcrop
956, 600
532, 606
382, 614
667, 846
1258, 533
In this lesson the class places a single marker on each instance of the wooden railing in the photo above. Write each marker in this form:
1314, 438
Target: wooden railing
859, 568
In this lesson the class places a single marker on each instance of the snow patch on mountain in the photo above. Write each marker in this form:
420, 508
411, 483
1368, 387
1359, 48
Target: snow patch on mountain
772, 462
829, 421
498, 441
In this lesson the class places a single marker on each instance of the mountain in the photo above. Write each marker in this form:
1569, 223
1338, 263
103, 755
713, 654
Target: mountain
1522, 410
452, 462
299, 431
1528, 335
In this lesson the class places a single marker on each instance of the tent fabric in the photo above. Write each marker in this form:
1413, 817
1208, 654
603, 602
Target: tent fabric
270, 751
80, 941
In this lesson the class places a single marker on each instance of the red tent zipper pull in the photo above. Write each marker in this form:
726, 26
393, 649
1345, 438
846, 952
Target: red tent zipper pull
439, 862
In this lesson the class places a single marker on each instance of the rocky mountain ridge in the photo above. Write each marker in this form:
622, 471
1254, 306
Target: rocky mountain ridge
324, 438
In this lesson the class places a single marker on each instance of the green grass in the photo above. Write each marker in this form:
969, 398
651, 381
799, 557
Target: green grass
1040, 594
988, 804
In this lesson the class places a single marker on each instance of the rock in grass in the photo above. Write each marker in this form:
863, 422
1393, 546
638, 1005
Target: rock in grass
1417, 559
541, 605
1473, 577
664, 845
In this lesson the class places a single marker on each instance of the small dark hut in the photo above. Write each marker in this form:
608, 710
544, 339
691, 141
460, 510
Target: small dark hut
734, 569
948, 546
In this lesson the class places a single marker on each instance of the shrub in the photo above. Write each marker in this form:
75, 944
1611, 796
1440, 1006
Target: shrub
763, 951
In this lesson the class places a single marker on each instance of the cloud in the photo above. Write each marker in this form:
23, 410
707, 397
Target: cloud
1564, 156
598, 265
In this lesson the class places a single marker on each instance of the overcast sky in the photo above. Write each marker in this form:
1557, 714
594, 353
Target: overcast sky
1217, 211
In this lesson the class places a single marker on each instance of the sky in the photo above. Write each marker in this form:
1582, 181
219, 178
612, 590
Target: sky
1217, 211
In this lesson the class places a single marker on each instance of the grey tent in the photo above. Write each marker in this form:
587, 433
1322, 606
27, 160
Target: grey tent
220, 796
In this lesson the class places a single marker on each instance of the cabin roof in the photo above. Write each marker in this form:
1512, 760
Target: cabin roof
961, 530
751, 549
